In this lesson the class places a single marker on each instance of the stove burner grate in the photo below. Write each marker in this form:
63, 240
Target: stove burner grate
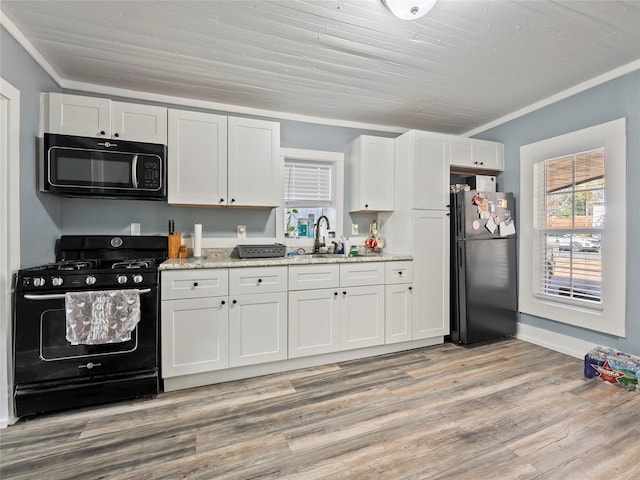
77, 264
134, 264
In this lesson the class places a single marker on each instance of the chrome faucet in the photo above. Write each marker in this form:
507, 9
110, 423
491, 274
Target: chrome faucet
316, 242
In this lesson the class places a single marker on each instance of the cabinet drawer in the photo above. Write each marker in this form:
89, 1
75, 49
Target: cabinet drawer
357, 274
257, 280
307, 277
194, 283
398, 272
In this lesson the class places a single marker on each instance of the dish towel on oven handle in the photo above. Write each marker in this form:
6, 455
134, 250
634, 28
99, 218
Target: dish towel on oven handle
107, 316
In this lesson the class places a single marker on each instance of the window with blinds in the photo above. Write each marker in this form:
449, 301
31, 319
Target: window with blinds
307, 183
569, 218
308, 195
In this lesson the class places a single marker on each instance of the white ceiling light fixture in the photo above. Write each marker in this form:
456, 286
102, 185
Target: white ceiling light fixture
409, 9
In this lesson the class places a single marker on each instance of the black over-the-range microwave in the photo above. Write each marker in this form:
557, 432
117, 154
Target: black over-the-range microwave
97, 167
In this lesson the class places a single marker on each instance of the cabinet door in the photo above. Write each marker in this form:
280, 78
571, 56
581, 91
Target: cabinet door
182, 284
257, 328
430, 170
197, 158
461, 152
140, 123
364, 273
194, 336
255, 166
314, 325
488, 155
398, 313
79, 115
361, 317
257, 280
371, 170
430, 274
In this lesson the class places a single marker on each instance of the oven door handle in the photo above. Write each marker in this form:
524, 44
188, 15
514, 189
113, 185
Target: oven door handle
61, 296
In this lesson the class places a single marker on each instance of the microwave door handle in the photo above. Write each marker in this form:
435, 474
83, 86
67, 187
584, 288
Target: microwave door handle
134, 171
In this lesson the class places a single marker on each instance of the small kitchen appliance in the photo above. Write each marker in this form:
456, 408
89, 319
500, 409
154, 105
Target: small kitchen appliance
96, 167
50, 373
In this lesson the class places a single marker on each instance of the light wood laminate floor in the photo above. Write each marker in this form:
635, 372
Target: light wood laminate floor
504, 410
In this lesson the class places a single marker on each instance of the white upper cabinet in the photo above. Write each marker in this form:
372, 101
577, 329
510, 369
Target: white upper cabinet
100, 117
371, 173
141, 123
470, 155
423, 159
254, 163
197, 158
224, 161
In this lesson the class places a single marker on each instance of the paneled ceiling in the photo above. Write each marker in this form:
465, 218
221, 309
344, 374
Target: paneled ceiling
463, 65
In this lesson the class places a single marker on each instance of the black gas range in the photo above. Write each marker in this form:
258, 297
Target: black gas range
50, 371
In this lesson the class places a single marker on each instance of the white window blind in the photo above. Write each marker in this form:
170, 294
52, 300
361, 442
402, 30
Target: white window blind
569, 217
307, 183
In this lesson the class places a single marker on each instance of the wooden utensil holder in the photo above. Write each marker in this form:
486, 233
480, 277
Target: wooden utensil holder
175, 240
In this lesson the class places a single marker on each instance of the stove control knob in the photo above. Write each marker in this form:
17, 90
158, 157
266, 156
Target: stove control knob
137, 278
90, 280
57, 281
38, 282
122, 279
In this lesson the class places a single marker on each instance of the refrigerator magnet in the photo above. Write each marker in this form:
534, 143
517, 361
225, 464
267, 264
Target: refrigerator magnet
476, 224
507, 229
491, 225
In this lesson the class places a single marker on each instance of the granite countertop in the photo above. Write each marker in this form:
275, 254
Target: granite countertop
223, 259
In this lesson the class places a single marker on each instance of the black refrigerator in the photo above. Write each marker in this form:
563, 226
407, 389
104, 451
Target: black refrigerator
484, 294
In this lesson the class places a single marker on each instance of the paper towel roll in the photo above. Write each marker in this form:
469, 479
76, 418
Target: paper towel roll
197, 240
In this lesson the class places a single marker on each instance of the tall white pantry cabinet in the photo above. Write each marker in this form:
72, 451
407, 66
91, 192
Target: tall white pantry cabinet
419, 226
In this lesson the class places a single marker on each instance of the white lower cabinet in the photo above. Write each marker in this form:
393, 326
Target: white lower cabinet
361, 317
398, 302
348, 315
399, 313
314, 322
195, 322
215, 319
194, 336
257, 328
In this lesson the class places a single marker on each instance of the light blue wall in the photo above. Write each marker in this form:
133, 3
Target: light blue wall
40, 214
615, 99
44, 217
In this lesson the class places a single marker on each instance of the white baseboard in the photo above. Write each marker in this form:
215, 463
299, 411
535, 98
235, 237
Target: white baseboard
554, 341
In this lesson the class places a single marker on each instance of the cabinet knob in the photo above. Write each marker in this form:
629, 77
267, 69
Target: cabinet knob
335, 293
400, 273
481, 163
234, 302
344, 292
448, 214
195, 284
222, 200
222, 302
233, 200
102, 132
116, 135
366, 205
410, 288
259, 280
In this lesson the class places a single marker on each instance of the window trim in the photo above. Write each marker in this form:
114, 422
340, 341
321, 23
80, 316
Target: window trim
337, 158
611, 318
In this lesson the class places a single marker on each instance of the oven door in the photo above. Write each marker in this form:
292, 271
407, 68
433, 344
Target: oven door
42, 352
